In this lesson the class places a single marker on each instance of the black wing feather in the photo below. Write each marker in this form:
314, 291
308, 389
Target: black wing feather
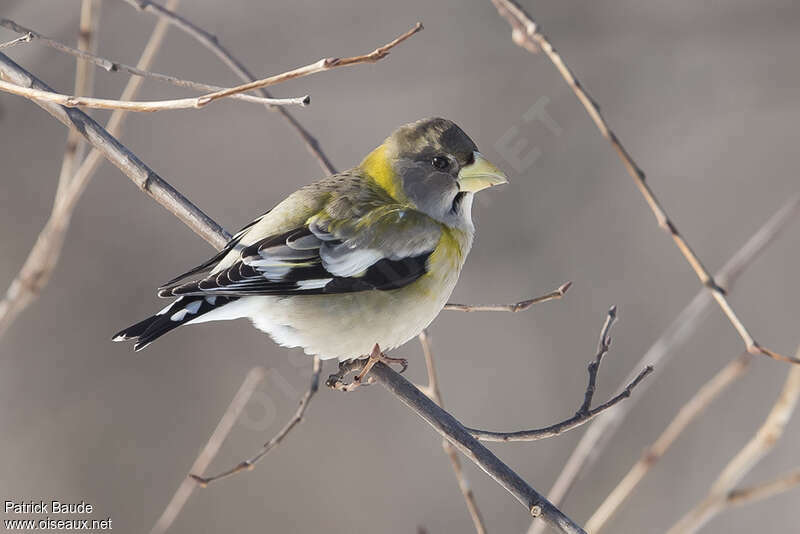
242, 279
209, 264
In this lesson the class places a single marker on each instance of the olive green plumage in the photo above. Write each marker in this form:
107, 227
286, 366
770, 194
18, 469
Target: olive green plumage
366, 256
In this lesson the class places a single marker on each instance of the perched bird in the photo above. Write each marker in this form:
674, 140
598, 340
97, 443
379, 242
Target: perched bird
364, 257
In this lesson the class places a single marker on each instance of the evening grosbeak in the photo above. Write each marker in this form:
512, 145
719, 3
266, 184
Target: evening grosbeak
364, 257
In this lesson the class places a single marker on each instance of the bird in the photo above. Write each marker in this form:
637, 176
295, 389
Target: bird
356, 261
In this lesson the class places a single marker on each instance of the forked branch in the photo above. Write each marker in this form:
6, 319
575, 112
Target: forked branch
515, 307
116, 66
759, 446
690, 411
585, 413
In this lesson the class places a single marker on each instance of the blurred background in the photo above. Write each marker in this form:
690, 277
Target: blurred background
703, 94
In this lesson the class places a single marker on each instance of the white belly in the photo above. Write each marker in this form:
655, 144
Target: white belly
347, 326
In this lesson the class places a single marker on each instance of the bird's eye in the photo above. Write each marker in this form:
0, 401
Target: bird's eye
441, 162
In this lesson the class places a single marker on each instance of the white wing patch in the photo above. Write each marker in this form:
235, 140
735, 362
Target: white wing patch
192, 308
313, 284
344, 261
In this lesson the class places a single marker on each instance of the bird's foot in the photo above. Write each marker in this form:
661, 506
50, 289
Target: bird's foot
336, 381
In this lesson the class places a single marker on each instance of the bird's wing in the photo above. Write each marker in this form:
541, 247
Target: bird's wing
357, 241
212, 262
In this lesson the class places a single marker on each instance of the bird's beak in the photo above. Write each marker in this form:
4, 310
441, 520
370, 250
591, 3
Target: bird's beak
480, 174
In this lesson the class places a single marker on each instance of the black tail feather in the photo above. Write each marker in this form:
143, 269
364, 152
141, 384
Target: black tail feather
180, 312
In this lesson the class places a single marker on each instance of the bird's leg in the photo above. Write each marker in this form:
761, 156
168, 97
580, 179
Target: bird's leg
336, 381
375, 357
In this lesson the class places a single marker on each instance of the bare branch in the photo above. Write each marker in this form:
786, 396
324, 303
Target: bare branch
516, 307
211, 42
603, 428
585, 413
27, 38
764, 490
690, 411
446, 425
434, 393
313, 68
115, 66
759, 445
198, 102
72, 101
297, 418
527, 35
43, 257
84, 85
229, 418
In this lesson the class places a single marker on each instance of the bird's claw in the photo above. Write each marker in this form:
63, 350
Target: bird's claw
336, 380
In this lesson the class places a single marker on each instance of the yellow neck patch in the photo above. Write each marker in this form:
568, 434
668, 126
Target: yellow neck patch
378, 167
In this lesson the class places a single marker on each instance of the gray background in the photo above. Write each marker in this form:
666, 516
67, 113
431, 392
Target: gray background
704, 94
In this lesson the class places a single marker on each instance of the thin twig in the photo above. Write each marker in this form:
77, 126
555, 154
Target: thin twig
527, 35
603, 344
229, 418
686, 415
759, 445
27, 38
585, 413
115, 66
211, 42
432, 390
322, 65
564, 426
43, 257
516, 307
297, 418
764, 490
600, 432
73, 101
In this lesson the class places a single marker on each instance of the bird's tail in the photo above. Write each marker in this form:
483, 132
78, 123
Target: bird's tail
181, 311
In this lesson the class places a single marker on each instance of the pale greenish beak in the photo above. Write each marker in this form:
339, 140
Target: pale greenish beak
480, 174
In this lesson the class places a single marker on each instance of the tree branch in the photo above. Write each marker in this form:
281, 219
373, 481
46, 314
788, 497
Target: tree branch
84, 85
313, 68
201, 101
43, 257
455, 433
759, 445
600, 432
297, 418
72, 101
516, 307
585, 413
229, 418
764, 490
115, 66
526, 34
432, 391
690, 411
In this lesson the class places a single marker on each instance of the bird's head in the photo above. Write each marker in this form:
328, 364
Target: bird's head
434, 166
